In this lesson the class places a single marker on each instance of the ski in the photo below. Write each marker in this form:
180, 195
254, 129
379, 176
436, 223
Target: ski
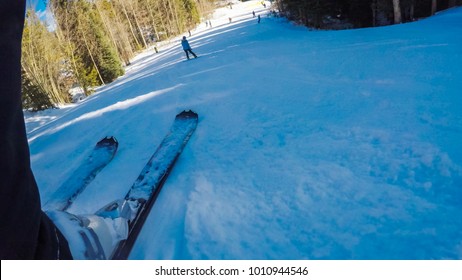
143, 193
100, 156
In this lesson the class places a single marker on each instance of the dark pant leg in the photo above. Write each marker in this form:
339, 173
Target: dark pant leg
186, 52
25, 231
192, 53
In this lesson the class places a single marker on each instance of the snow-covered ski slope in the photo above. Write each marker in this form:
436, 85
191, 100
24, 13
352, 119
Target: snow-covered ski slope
310, 144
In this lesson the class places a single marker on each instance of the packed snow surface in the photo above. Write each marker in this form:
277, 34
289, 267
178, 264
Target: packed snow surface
310, 144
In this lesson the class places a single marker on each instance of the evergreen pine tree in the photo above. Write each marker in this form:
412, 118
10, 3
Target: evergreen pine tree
109, 64
34, 98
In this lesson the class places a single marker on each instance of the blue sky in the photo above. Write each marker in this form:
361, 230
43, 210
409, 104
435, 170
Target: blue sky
42, 12
39, 4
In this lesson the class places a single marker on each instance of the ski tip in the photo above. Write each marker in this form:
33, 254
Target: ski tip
108, 141
187, 114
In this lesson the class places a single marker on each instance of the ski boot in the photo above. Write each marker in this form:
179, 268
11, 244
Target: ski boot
95, 236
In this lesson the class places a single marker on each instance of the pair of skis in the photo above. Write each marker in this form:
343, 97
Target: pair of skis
145, 189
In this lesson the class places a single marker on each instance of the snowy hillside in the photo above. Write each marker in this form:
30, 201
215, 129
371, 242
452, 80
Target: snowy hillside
310, 144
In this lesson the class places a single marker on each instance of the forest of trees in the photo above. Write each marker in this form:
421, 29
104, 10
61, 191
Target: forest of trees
340, 14
93, 40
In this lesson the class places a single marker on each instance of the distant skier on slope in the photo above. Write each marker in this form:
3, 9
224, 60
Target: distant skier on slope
26, 232
187, 48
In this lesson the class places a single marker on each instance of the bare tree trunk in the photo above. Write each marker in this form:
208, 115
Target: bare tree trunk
169, 23
397, 11
130, 23
175, 14
123, 36
411, 11
433, 7
151, 13
374, 12
138, 25
106, 25
89, 51
68, 50
166, 27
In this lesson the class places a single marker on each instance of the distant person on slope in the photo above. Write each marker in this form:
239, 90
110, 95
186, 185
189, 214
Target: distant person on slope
187, 48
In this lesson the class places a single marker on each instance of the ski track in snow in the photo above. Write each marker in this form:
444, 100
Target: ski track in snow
310, 144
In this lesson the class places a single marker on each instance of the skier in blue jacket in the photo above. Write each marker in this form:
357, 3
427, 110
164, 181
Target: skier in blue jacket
26, 232
187, 48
